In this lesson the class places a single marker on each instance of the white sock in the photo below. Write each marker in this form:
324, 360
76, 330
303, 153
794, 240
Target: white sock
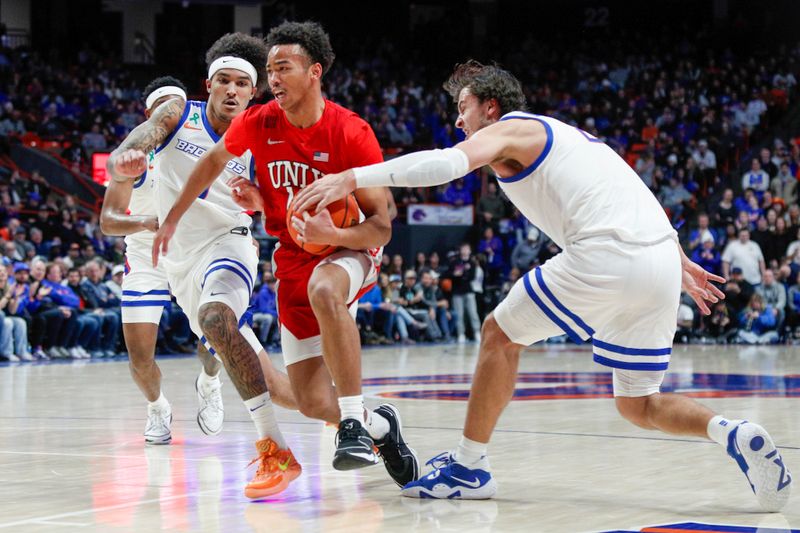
377, 426
352, 407
204, 381
470, 451
161, 403
263, 417
719, 427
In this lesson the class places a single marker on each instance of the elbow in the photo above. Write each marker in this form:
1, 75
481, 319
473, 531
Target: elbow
385, 232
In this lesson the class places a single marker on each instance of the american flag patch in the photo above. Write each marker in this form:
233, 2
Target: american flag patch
321, 156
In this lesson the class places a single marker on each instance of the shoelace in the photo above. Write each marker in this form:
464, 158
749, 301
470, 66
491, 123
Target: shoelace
348, 433
214, 398
156, 420
441, 460
268, 463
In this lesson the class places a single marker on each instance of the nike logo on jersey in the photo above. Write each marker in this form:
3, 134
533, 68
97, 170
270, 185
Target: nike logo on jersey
474, 484
217, 293
188, 127
270, 141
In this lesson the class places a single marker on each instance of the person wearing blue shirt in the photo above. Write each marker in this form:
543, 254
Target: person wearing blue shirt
263, 305
104, 303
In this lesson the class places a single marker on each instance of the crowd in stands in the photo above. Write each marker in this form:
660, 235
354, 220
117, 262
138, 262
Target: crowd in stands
692, 122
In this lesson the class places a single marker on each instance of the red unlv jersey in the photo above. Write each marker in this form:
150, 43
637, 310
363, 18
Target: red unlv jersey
288, 158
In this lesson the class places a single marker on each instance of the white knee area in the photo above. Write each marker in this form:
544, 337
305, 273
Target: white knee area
637, 383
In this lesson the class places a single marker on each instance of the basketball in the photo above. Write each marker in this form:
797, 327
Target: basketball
344, 214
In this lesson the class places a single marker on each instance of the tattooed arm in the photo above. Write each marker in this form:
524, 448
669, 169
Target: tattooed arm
128, 162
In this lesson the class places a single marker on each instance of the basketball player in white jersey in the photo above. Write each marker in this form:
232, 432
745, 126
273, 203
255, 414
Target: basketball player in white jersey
618, 279
129, 209
213, 260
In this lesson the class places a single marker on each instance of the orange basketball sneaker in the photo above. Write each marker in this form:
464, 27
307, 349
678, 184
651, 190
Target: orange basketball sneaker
276, 469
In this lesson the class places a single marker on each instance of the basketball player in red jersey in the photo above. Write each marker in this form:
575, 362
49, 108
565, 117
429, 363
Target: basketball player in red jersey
296, 139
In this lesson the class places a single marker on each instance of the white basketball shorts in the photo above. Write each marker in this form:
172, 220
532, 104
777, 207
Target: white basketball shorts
225, 272
622, 296
145, 290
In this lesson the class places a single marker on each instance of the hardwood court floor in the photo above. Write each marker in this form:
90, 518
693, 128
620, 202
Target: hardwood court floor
72, 456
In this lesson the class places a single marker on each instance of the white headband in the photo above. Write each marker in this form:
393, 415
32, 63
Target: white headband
163, 91
233, 62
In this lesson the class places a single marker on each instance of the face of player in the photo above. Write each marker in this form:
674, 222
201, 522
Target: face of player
292, 76
229, 92
473, 114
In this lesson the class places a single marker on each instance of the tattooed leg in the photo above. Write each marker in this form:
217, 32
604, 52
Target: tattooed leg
219, 325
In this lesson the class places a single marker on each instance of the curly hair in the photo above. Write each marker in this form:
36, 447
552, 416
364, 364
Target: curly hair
310, 36
251, 49
487, 82
163, 81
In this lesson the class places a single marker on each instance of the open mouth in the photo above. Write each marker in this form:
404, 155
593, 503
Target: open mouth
279, 94
230, 103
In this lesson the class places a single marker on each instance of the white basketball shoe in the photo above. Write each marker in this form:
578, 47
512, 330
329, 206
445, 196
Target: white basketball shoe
753, 450
210, 411
158, 430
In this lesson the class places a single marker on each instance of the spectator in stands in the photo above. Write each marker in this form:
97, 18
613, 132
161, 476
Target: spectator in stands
457, 194
758, 323
14, 330
492, 247
403, 318
718, 326
87, 325
420, 263
264, 307
52, 307
462, 271
430, 304
94, 140
725, 212
40, 247
707, 256
793, 309
411, 298
746, 255
765, 160
737, 291
702, 231
756, 178
24, 248
773, 294
397, 265
784, 185
434, 264
102, 302
674, 198
22, 292
74, 258
373, 311
491, 207
115, 283
526, 253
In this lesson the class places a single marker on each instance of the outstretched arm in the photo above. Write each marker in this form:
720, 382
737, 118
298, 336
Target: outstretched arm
207, 169
419, 169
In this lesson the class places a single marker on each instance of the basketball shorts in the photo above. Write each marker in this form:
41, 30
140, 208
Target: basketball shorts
145, 291
623, 296
224, 272
300, 336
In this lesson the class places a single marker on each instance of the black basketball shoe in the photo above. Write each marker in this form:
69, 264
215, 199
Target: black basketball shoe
399, 459
353, 446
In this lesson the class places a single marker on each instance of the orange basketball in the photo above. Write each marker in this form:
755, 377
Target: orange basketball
344, 214
446, 285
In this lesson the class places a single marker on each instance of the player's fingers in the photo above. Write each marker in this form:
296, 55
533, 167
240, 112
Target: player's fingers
716, 291
306, 215
714, 277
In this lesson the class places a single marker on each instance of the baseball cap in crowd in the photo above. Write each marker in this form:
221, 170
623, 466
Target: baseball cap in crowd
736, 270
395, 277
7, 261
118, 269
20, 266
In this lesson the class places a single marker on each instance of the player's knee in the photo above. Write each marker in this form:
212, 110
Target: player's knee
492, 334
634, 410
323, 295
215, 318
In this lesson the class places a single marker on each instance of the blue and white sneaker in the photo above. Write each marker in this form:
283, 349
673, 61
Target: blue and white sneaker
753, 450
452, 480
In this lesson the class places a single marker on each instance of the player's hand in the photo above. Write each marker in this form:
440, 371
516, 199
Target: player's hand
325, 191
697, 282
131, 163
150, 224
161, 240
246, 194
317, 229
